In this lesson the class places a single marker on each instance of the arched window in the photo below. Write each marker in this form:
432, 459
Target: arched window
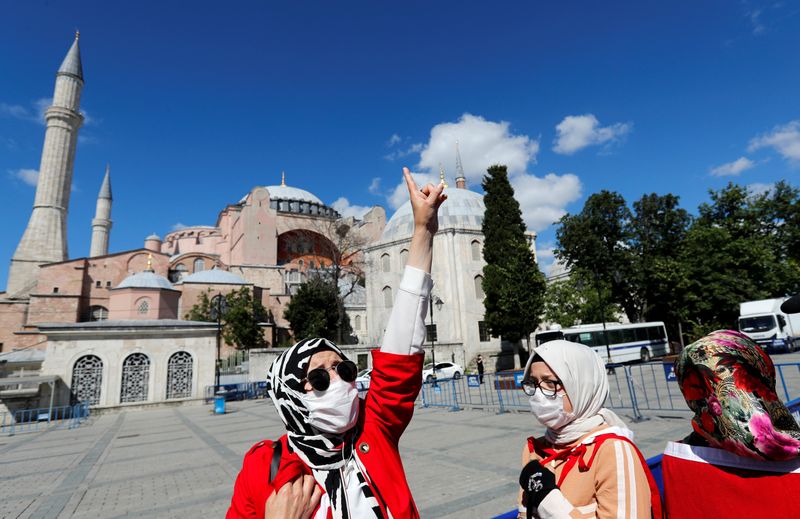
403, 257
199, 265
386, 263
387, 296
177, 273
358, 322
479, 287
143, 306
87, 379
179, 375
135, 376
301, 264
98, 313
476, 250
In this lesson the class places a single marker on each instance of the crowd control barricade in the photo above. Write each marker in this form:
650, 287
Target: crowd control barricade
243, 391
640, 389
39, 419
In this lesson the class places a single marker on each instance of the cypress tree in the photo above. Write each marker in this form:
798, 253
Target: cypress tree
512, 283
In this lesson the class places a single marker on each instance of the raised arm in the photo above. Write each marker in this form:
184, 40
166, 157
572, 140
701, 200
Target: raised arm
405, 330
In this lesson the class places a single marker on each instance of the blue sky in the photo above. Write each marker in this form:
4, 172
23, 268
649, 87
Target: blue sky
194, 103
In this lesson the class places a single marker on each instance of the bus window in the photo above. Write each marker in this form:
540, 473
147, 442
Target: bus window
641, 334
654, 333
628, 335
585, 338
615, 336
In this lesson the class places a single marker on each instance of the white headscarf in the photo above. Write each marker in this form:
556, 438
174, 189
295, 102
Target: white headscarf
583, 374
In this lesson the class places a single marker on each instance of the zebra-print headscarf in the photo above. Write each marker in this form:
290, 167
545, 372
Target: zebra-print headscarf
326, 454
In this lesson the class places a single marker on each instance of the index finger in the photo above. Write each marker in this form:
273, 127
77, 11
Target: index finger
412, 186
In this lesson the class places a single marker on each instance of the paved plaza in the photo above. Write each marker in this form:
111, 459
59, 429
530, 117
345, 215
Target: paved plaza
182, 461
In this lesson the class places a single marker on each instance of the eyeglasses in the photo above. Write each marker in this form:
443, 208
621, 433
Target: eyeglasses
549, 388
320, 379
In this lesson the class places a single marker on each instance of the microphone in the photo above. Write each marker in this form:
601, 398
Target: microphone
791, 305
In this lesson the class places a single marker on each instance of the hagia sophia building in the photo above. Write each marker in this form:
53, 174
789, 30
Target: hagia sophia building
110, 327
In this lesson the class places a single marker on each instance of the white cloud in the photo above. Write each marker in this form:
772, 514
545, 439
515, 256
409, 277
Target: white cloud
543, 200
783, 139
375, 186
481, 143
343, 206
16, 111
576, 132
398, 154
757, 188
179, 226
28, 176
732, 169
394, 139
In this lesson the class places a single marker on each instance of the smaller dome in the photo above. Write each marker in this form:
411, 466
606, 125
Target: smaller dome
153, 236
291, 193
146, 279
214, 277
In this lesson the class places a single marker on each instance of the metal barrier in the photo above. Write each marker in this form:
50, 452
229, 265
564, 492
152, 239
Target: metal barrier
243, 391
32, 420
650, 386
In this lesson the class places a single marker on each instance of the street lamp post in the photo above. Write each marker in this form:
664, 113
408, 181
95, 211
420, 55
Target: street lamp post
434, 301
218, 307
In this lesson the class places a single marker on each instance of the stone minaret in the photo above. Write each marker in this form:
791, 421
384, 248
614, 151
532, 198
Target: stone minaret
101, 224
45, 238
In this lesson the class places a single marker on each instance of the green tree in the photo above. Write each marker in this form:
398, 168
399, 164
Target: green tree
593, 244
574, 301
512, 283
315, 311
656, 232
240, 320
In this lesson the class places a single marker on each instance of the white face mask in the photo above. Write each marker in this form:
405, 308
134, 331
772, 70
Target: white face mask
550, 411
334, 410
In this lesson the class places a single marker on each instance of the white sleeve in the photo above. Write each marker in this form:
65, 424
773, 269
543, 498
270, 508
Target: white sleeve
555, 506
405, 330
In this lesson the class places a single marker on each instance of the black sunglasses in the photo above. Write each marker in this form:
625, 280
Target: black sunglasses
320, 379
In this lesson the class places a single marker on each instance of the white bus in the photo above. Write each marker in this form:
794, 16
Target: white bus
627, 342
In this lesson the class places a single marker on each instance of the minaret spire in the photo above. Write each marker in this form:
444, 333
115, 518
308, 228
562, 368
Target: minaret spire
461, 180
101, 224
283, 178
45, 237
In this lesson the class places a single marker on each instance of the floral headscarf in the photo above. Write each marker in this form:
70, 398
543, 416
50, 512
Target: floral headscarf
729, 383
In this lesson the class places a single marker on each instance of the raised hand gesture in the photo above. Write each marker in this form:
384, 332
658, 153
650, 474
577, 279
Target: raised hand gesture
425, 203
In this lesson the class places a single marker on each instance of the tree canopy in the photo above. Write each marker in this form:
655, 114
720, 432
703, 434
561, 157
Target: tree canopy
316, 310
661, 264
512, 283
240, 319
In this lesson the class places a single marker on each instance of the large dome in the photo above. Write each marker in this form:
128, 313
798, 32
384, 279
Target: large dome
463, 209
291, 193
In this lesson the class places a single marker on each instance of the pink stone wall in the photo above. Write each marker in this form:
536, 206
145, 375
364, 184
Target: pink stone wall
125, 304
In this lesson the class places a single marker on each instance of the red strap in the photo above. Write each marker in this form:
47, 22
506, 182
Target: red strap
576, 454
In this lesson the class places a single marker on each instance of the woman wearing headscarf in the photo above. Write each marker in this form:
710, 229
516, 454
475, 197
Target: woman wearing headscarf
586, 465
349, 446
743, 457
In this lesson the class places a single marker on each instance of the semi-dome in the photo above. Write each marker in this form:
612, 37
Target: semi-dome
463, 209
146, 279
214, 277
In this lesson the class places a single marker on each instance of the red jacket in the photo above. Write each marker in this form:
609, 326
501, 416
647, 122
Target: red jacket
385, 414
702, 482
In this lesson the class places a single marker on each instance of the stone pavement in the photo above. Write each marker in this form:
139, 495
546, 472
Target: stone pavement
182, 461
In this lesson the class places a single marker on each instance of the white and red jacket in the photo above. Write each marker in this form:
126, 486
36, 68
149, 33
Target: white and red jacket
702, 482
385, 413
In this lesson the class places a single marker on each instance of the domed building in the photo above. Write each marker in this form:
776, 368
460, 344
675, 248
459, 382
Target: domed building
456, 324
